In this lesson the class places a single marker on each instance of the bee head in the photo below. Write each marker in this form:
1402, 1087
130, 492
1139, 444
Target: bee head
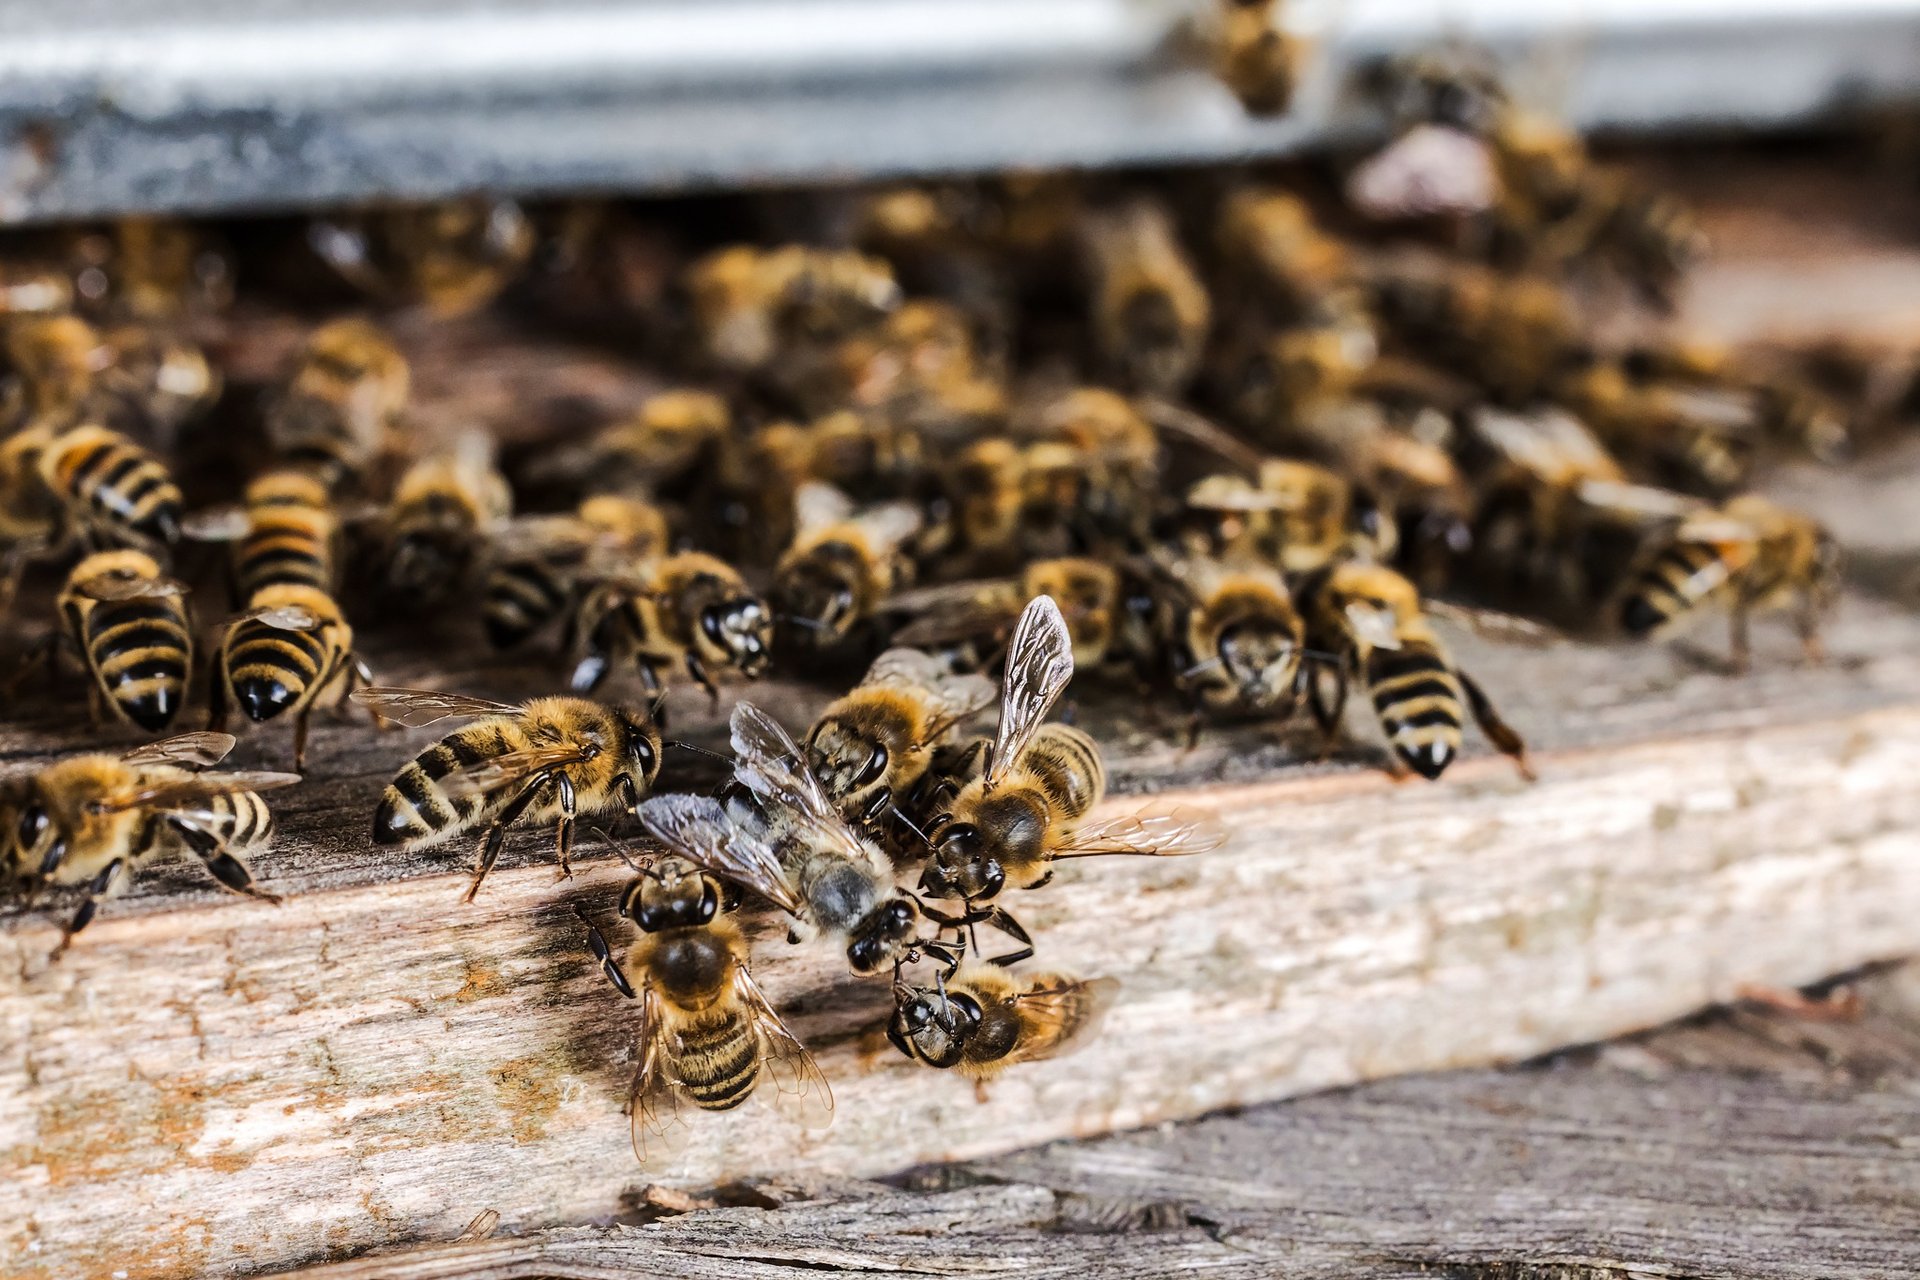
964, 865
933, 1026
853, 767
34, 847
816, 598
671, 896
884, 936
738, 633
1261, 660
642, 745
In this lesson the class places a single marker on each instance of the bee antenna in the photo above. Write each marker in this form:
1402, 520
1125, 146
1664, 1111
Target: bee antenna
1198, 667
659, 701
1321, 655
908, 823
618, 845
794, 619
697, 750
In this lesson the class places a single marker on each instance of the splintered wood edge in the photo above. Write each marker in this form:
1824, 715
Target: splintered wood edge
386, 1060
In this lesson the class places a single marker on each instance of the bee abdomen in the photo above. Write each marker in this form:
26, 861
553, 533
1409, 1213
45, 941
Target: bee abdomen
1672, 585
270, 669
1418, 701
121, 484
415, 808
142, 652
520, 599
719, 1061
282, 555
241, 819
1069, 765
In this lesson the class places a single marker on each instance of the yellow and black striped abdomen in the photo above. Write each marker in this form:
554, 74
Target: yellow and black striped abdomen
140, 653
1418, 700
273, 669
240, 819
114, 485
416, 811
285, 547
1068, 764
715, 1055
522, 596
1680, 579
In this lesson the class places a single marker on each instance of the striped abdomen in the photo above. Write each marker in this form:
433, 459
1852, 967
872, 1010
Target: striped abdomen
271, 669
1677, 581
140, 653
1068, 764
239, 819
716, 1056
415, 810
114, 484
287, 546
1419, 703
521, 597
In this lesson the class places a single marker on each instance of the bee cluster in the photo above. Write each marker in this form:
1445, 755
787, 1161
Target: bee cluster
1206, 438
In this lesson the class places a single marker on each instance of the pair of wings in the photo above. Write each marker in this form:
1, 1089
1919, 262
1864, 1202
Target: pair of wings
818, 505
416, 707
183, 797
800, 1090
115, 588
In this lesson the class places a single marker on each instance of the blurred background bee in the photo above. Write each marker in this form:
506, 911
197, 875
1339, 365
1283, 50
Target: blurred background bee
537, 567
453, 256
94, 821
1150, 312
129, 624
828, 584
689, 611
444, 509
342, 402
1254, 55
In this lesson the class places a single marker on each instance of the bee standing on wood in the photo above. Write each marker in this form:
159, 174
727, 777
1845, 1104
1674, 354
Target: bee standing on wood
707, 1032
288, 650
111, 491
129, 623
444, 508
841, 564
536, 567
981, 1019
96, 820
688, 610
1235, 639
548, 760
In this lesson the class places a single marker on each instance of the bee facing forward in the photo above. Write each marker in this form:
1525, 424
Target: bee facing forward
1150, 313
1371, 619
1254, 57
95, 820
338, 410
1233, 635
443, 509
1028, 807
981, 1019
129, 623
840, 566
1745, 556
707, 1031
786, 841
688, 610
548, 760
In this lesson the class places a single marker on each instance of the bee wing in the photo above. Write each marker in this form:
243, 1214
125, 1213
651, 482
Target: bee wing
1639, 499
1160, 831
531, 537
801, 1092
180, 793
415, 707
1233, 493
217, 524
959, 694
1059, 1014
977, 618
1176, 420
657, 1126
1039, 665
817, 504
188, 750
890, 524
700, 830
285, 617
487, 776
1505, 628
1427, 171
772, 764
113, 587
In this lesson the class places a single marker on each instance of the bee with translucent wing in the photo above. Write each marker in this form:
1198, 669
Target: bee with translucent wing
841, 564
980, 1019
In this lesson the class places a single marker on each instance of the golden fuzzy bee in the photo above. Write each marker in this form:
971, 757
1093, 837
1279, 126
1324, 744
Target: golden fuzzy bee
1745, 556
342, 403
1293, 266
1235, 639
786, 840
664, 445
976, 619
1254, 56
549, 760
1697, 438
1516, 335
1027, 807
982, 1019
96, 820
128, 621
1150, 314
443, 510
1373, 622
876, 742
841, 564
1295, 516
536, 567
286, 653
151, 269
454, 256
751, 305
708, 1034
55, 364
689, 610
110, 489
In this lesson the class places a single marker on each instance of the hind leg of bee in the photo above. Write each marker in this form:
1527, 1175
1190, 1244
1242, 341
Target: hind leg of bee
1327, 707
998, 918
497, 834
597, 944
563, 836
221, 865
698, 670
97, 889
1501, 734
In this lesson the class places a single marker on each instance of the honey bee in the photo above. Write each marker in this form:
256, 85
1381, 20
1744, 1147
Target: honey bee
749, 305
1027, 808
156, 381
340, 407
1235, 639
1537, 471
1295, 516
1515, 335
688, 610
1745, 556
876, 742
839, 567
707, 1032
151, 270
444, 507
981, 1019
1788, 404
29, 513
536, 567
128, 621
454, 256
288, 650
789, 844
921, 367
1292, 266
55, 362
673, 437
111, 490
1150, 314
1697, 438
96, 820
1372, 620
289, 534
548, 760
1092, 595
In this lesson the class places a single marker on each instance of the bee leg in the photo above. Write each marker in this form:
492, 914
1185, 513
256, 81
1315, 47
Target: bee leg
1498, 731
597, 944
497, 834
698, 670
217, 690
1005, 923
1742, 655
563, 839
1327, 708
96, 890
223, 866
1807, 622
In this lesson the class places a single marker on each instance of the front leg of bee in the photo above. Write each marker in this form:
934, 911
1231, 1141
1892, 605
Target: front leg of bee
1501, 734
222, 865
597, 944
497, 833
998, 918
97, 889
563, 837
698, 670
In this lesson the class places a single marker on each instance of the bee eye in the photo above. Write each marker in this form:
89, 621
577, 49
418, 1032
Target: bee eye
644, 753
33, 824
992, 880
709, 902
864, 954
874, 769
714, 623
968, 1010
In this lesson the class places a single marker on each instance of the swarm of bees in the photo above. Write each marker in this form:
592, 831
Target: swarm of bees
1240, 449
